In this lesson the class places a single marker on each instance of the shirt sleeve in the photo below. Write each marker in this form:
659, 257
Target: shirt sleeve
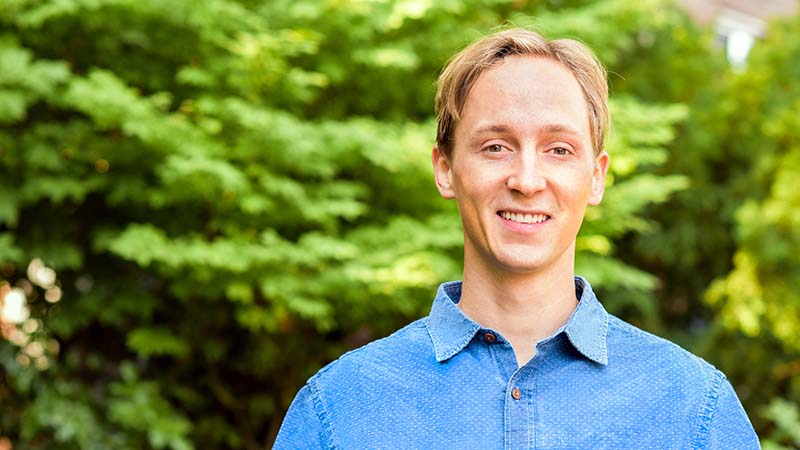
301, 428
729, 426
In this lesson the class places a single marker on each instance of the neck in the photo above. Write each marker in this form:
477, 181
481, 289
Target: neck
524, 308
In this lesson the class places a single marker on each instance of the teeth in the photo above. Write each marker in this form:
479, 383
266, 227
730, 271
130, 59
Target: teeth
523, 218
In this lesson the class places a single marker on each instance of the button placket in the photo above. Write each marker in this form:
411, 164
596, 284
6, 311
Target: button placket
518, 410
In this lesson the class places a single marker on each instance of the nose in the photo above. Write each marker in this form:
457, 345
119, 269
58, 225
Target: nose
526, 175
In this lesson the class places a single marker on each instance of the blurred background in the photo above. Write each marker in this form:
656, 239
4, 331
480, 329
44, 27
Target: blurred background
204, 202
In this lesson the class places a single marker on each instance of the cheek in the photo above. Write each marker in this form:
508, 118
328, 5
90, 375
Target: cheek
575, 190
466, 179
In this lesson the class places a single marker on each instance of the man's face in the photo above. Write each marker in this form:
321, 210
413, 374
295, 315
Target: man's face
522, 167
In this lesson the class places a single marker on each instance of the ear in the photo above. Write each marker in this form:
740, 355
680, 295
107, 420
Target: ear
599, 178
442, 172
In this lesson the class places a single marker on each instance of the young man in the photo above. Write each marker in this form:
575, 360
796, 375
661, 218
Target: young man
520, 354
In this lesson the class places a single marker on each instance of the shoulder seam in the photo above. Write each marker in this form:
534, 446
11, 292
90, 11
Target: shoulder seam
707, 409
322, 413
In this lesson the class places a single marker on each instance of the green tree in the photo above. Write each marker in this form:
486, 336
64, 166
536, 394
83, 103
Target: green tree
202, 203
726, 252
760, 296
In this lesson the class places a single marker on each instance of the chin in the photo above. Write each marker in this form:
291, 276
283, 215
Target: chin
520, 265
531, 259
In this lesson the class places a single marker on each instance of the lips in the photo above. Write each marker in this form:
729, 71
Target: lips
527, 218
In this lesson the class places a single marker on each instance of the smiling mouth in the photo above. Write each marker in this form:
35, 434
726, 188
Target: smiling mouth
523, 218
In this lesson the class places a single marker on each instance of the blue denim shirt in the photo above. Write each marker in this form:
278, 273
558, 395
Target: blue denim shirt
445, 382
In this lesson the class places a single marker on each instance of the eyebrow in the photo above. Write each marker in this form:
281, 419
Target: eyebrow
552, 128
557, 128
492, 127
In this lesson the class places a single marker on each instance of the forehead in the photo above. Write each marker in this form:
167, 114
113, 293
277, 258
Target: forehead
523, 92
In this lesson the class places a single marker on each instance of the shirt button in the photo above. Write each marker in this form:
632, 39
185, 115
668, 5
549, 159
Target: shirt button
489, 338
516, 393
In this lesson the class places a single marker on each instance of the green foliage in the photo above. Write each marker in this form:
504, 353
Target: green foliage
760, 293
787, 420
66, 410
230, 194
139, 406
637, 147
759, 296
732, 240
156, 341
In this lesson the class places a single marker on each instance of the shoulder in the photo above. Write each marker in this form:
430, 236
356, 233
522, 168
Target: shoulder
678, 383
362, 379
684, 383
407, 349
629, 343
334, 402
664, 365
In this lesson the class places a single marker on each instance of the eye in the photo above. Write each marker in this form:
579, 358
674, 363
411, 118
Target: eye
494, 148
561, 151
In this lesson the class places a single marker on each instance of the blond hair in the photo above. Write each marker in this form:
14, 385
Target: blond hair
465, 67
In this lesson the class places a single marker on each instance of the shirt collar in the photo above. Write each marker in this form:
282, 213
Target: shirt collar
451, 330
588, 326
